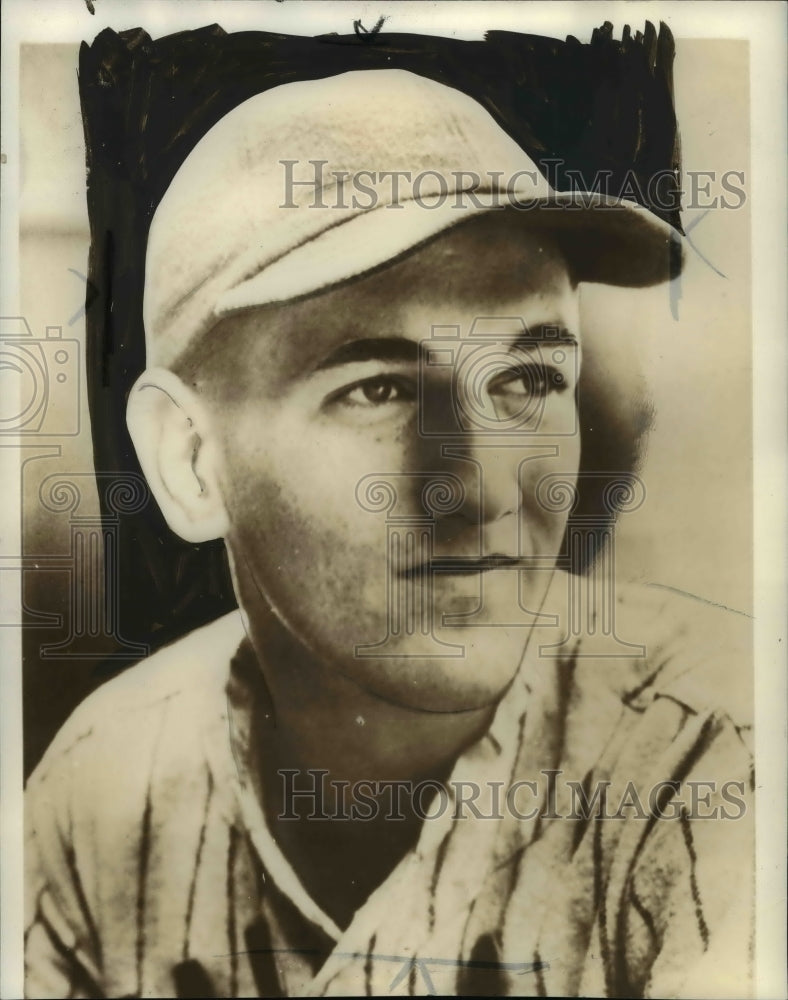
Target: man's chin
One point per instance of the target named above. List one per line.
(466, 670)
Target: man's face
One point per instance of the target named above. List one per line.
(383, 448)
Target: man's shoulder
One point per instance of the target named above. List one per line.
(135, 764)
(699, 653)
(182, 685)
(670, 644)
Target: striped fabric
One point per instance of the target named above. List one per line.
(152, 871)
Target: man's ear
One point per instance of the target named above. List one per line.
(179, 454)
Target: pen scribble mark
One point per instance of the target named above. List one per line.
(702, 256)
(410, 962)
(368, 33)
(90, 295)
(696, 597)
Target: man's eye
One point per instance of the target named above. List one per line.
(376, 391)
(527, 380)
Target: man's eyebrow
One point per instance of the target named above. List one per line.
(401, 349)
(372, 349)
(546, 333)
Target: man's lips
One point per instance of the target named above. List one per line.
(464, 565)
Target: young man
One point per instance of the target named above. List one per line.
(400, 767)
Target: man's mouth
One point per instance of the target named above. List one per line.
(463, 565)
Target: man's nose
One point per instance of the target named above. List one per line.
(450, 444)
(486, 470)
(489, 473)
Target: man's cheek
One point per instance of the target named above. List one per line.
(330, 587)
(313, 533)
(548, 488)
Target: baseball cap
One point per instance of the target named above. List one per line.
(314, 183)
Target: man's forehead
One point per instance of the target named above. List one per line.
(505, 286)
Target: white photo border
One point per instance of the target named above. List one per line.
(763, 24)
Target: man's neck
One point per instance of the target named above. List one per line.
(310, 736)
(316, 718)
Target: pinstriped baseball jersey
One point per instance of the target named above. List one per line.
(153, 871)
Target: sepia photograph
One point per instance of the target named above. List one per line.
(393, 442)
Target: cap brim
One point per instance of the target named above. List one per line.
(603, 240)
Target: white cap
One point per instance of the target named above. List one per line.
(245, 224)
